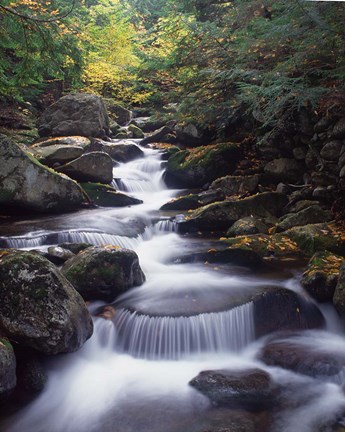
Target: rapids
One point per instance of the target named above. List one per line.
(133, 373)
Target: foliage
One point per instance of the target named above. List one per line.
(30, 51)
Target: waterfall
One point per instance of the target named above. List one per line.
(95, 238)
(171, 338)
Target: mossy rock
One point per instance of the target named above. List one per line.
(136, 131)
(278, 245)
(106, 196)
(221, 215)
(310, 215)
(321, 275)
(39, 308)
(8, 377)
(103, 273)
(200, 165)
(247, 226)
(319, 237)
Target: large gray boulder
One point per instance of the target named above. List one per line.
(93, 167)
(75, 114)
(310, 215)
(102, 273)
(7, 368)
(57, 154)
(25, 183)
(39, 308)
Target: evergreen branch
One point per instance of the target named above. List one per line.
(40, 20)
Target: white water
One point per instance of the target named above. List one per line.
(134, 375)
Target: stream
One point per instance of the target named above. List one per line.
(133, 374)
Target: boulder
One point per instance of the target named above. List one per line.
(74, 141)
(93, 167)
(8, 377)
(196, 167)
(246, 226)
(57, 154)
(237, 185)
(194, 201)
(123, 151)
(103, 273)
(117, 113)
(157, 136)
(39, 308)
(318, 237)
(58, 255)
(331, 150)
(285, 169)
(189, 134)
(135, 131)
(338, 131)
(20, 176)
(310, 215)
(266, 246)
(288, 352)
(75, 114)
(106, 196)
(245, 388)
(221, 215)
(321, 275)
(31, 374)
(280, 309)
(339, 294)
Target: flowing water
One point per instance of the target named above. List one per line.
(133, 374)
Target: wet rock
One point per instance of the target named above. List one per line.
(297, 206)
(8, 377)
(292, 354)
(73, 141)
(75, 248)
(157, 136)
(123, 152)
(106, 196)
(280, 309)
(58, 255)
(116, 112)
(194, 201)
(75, 114)
(39, 308)
(266, 246)
(221, 215)
(300, 153)
(338, 131)
(321, 275)
(31, 374)
(331, 150)
(311, 159)
(103, 273)
(235, 256)
(322, 194)
(339, 294)
(324, 179)
(318, 237)
(57, 154)
(248, 388)
(323, 124)
(309, 215)
(246, 226)
(284, 169)
(189, 134)
(20, 174)
(135, 131)
(237, 185)
(90, 167)
(196, 167)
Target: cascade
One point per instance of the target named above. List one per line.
(133, 373)
(171, 338)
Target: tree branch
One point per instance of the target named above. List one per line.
(33, 18)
